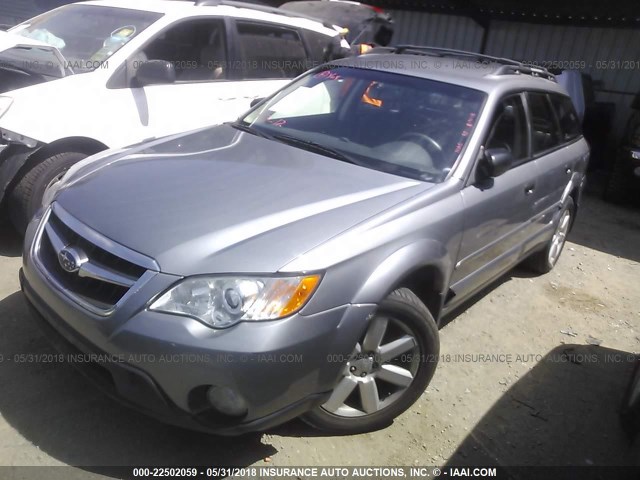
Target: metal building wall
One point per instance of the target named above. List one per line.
(436, 30)
(597, 48)
(611, 56)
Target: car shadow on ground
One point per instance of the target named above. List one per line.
(10, 241)
(54, 407)
(564, 412)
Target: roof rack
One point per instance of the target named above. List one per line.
(450, 52)
(526, 70)
(508, 66)
(260, 6)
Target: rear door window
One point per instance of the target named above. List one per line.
(570, 127)
(195, 48)
(545, 133)
(270, 51)
(321, 46)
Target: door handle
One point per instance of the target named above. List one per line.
(528, 190)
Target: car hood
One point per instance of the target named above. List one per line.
(218, 200)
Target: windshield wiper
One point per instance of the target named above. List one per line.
(315, 147)
(244, 127)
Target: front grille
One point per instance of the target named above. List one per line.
(103, 278)
(95, 253)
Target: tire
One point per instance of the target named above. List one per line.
(400, 316)
(26, 197)
(619, 187)
(543, 261)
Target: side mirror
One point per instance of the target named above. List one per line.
(496, 161)
(155, 72)
(256, 101)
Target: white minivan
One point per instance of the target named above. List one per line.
(107, 74)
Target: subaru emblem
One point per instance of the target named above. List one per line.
(71, 259)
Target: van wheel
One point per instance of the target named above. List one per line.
(389, 369)
(544, 260)
(26, 197)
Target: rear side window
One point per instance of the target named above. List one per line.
(509, 128)
(544, 134)
(320, 46)
(270, 51)
(567, 116)
(195, 48)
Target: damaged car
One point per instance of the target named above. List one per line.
(299, 260)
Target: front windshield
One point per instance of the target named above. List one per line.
(399, 124)
(87, 35)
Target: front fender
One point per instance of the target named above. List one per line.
(12, 160)
(403, 263)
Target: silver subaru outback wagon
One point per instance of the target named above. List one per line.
(297, 262)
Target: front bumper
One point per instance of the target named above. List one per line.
(161, 364)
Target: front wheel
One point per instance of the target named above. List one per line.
(26, 197)
(389, 369)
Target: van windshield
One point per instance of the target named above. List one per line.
(87, 35)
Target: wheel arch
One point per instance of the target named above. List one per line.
(427, 283)
(420, 267)
(85, 145)
(574, 191)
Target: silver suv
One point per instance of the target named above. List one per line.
(298, 261)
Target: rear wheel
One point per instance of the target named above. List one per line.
(390, 367)
(544, 260)
(26, 197)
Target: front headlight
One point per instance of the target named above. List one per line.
(223, 301)
(5, 103)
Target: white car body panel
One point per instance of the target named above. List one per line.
(81, 105)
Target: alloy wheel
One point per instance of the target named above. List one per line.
(379, 371)
(559, 237)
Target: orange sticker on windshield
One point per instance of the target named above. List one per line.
(368, 99)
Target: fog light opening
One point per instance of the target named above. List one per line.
(227, 401)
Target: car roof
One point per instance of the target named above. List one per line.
(467, 69)
(183, 8)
